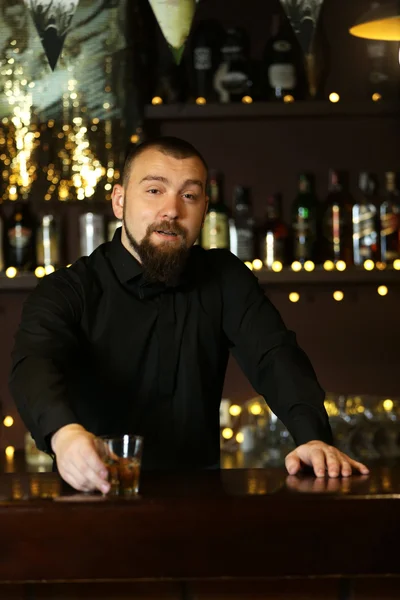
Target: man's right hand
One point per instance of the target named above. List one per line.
(77, 460)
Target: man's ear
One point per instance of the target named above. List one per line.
(205, 212)
(118, 198)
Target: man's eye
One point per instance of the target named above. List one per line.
(189, 196)
(153, 191)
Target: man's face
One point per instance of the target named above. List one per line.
(163, 210)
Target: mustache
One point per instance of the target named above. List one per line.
(170, 226)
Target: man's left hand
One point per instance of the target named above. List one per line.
(324, 459)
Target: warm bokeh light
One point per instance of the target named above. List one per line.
(309, 266)
(8, 421)
(257, 264)
(334, 97)
(338, 296)
(134, 138)
(381, 266)
(369, 265)
(11, 272)
(247, 100)
(235, 410)
(68, 266)
(288, 99)
(329, 265)
(341, 265)
(156, 100)
(227, 433)
(296, 266)
(40, 272)
(294, 297)
(383, 290)
(396, 264)
(388, 405)
(277, 266)
(240, 437)
(255, 409)
(376, 97)
(249, 265)
(200, 100)
(9, 451)
(49, 269)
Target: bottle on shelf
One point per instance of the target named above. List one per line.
(282, 64)
(91, 232)
(242, 235)
(304, 221)
(337, 220)
(274, 234)
(389, 216)
(20, 234)
(232, 80)
(48, 242)
(170, 80)
(365, 221)
(215, 233)
(1, 243)
(205, 59)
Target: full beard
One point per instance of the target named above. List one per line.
(163, 262)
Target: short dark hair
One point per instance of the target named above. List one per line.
(171, 146)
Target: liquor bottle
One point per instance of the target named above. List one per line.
(19, 233)
(91, 230)
(242, 235)
(232, 80)
(304, 221)
(365, 221)
(48, 242)
(274, 233)
(206, 58)
(379, 70)
(337, 220)
(1, 244)
(282, 67)
(389, 212)
(215, 232)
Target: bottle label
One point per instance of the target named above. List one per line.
(19, 236)
(282, 46)
(202, 59)
(273, 250)
(215, 231)
(390, 242)
(282, 76)
(303, 238)
(245, 244)
(235, 82)
(47, 247)
(365, 236)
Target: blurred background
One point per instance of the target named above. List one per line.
(299, 121)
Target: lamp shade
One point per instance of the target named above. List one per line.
(382, 22)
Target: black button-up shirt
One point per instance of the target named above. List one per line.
(100, 346)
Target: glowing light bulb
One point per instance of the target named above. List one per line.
(329, 265)
(134, 138)
(334, 97)
(338, 296)
(388, 404)
(9, 451)
(376, 97)
(8, 421)
(381, 266)
(309, 266)
(156, 100)
(11, 272)
(249, 265)
(296, 266)
(49, 269)
(288, 99)
(240, 437)
(257, 264)
(235, 410)
(200, 100)
(40, 272)
(277, 266)
(227, 433)
(383, 290)
(369, 265)
(255, 409)
(294, 297)
(341, 265)
(396, 264)
(247, 100)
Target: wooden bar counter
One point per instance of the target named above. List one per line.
(248, 533)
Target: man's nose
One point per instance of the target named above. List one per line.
(171, 208)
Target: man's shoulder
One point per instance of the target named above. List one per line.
(221, 262)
